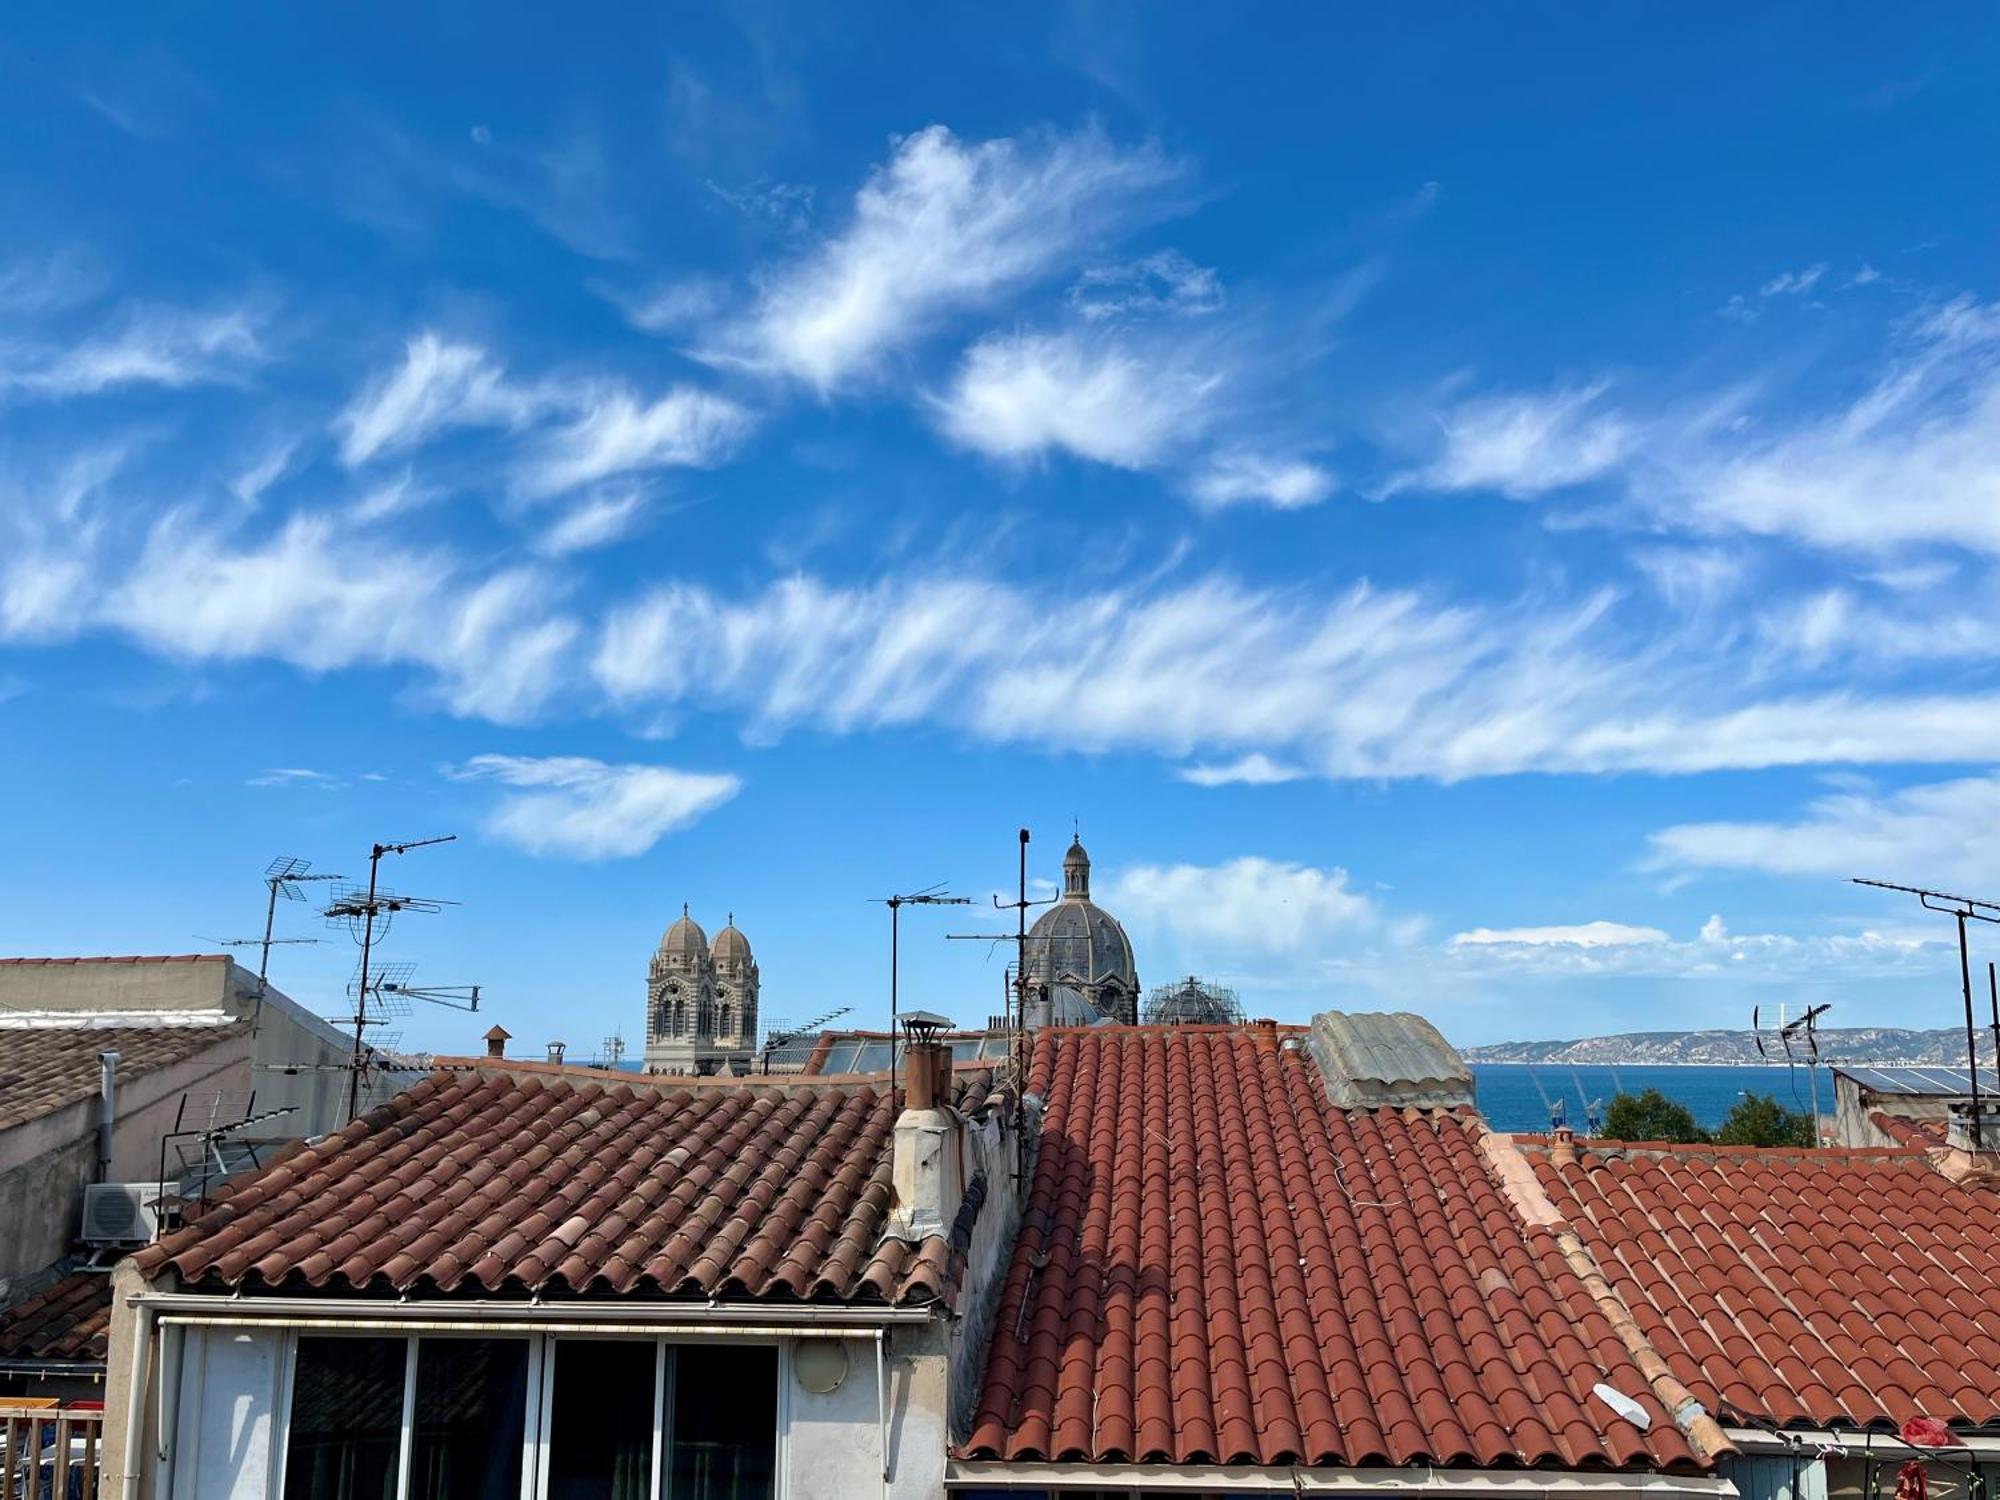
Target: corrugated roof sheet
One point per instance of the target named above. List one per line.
(1372, 1059)
(1217, 1265)
(493, 1182)
(44, 1070)
(1804, 1288)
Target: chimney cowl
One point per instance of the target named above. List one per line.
(496, 1041)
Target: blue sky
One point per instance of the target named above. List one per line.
(1488, 512)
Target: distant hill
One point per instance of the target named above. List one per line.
(1856, 1044)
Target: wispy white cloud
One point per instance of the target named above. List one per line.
(573, 807)
(1525, 445)
(1022, 395)
(1166, 282)
(1920, 835)
(945, 225)
(586, 430)
(597, 520)
(249, 483)
(1914, 459)
(617, 433)
(1240, 478)
(1793, 283)
(440, 384)
(297, 776)
(321, 597)
(1254, 769)
(151, 346)
(1369, 683)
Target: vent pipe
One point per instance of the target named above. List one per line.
(107, 1110)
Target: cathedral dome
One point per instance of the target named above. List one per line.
(1079, 945)
(730, 943)
(1078, 942)
(686, 938)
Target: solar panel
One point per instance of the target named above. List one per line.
(1927, 1082)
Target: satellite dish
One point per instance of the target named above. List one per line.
(1623, 1404)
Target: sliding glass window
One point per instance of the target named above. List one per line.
(346, 1430)
(471, 1411)
(456, 1418)
(603, 1412)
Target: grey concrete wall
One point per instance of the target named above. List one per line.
(203, 985)
(45, 1163)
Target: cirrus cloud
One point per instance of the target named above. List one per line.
(574, 807)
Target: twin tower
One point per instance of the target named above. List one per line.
(701, 1001)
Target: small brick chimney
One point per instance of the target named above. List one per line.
(496, 1041)
(1562, 1146)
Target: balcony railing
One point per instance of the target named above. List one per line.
(49, 1453)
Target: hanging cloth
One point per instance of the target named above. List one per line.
(1912, 1483)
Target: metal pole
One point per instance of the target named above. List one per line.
(361, 993)
(1971, 1044)
(1993, 987)
(1021, 942)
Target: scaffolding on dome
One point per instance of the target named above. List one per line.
(1191, 1002)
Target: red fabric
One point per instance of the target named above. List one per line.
(1926, 1432)
(1911, 1483)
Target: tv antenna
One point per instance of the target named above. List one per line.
(1803, 1027)
(787, 1034)
(283, 878)
(611, 1051)
(362, 912)
(1017, 1014)
(930, 895)
(1964, 909)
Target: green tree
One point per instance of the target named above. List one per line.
(1760, 1120)
(1651, 1116)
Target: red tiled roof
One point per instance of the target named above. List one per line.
(129, 958)
(1908, 1131)
(68, 1321)
(1799, 1287)
(44, 1069)
(1216, 1265)
(499, 1183)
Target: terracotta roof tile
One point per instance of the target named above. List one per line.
(1216, 1265)
(44, 1069)
(68, 1321)
(1798, 1287)
(498, 1182)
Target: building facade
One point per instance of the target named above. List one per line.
(701, 1001)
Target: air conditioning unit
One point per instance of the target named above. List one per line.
(123, 1213)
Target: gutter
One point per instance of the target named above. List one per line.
(793, 1320)
(1198, 1480)
(1855, 1440)
(1523, 1191)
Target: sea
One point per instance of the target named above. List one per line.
(1516, 1096)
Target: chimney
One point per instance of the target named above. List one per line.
(496, 1041)
(556, 1050)
(929, 1154)
(107, 1111)
(1562, 1146)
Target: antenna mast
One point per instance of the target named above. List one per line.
(929, 896)
(352, 908)
(1964, 909)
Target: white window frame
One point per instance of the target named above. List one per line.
(540, 1400)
